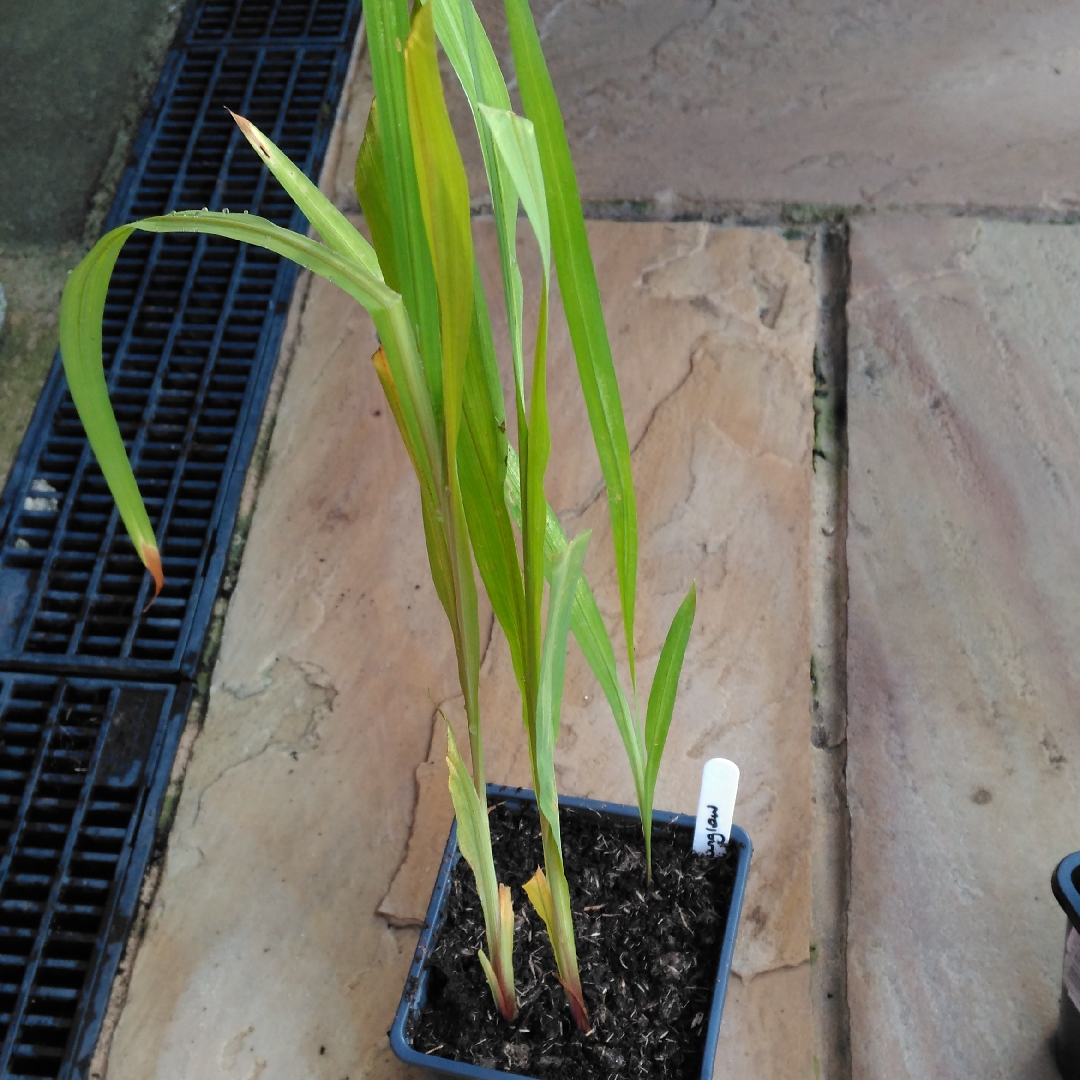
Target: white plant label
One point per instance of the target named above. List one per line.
(1071, 975)
(716, 806)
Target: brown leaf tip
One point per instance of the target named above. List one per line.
(248, 128)
(151, 558)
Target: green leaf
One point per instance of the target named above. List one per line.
(565, 572)
(387, 26)
(515, 143)
(534, 441)
(80, 347)
(375, 199)
(482, 452)
(468, 48)
(444, 200)
(80, 335)
(581, 302)
(442, 571)
(474, 842)
(515, 147)
(470, 53)
(590, 632)
(332, 225)
(662, 703)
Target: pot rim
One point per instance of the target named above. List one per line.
(414, 994)
(1065, 881)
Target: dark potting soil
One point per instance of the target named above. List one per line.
(647, 955)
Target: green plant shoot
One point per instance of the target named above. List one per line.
(476, 66)
(436, 362)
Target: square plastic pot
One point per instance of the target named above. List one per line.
(1065, 882)
(415, 993)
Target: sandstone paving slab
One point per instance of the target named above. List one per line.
(903, 103)
(964, 558)
(314, 808)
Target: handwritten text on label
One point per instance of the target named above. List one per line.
(716, 806)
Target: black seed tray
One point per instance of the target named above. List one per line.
(191, 335)
(84, 768)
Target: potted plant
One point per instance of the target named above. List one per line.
(484, 509)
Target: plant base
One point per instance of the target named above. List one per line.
(654, 959)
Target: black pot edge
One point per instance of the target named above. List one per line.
(412, 996)
(1064, 883)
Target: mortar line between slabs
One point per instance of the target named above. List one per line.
(789, 215)
(830, 831)
(806, 215)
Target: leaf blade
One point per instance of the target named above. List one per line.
(333, 226)
(482, 453)
(81, 342)
(469, 50)
(587, 626)
(374, 198)
(444, 202)
(565, 572)
(662, 704)
(474, 842)
(387, 25)
(581, 303)
(81, 311)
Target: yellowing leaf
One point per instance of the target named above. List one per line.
(444, 198)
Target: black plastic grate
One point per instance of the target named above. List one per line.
(93, 689)
(191, 333)
(84, 766)
(222, 20)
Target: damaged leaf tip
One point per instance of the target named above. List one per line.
(151, 558)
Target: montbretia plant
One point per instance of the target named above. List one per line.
(483, 501)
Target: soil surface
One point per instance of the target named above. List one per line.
(647, 955)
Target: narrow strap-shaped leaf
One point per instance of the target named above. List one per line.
(482, 452)
(563, 942)
(474, 841)
(439, 558)
(332, 225)
(515, 143)
(469, 50)
(387, 26)
(80, 348)
(535, 444)
(662, 703)
(444, 199)
(80, 334)
(565, 571)
(590, 632)
(551, 899)
(515, 146)
(438, 553)
(539, 893)
(444, 202)
(370, 179)
(506, 946)
(581, 302)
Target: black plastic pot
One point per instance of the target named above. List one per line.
(1066, 885)
(415, 993)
